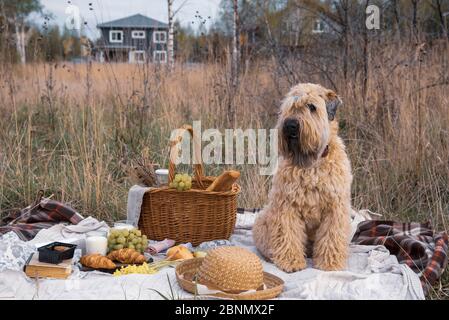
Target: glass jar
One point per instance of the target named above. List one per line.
(162, 176)
(97, 242)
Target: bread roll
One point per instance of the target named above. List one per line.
(225, 181)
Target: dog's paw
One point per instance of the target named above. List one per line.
(290, 265)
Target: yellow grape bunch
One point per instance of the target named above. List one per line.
(181, 182)
(124, 238)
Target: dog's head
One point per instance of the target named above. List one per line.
(304, 123)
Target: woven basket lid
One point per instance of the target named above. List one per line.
(231, 269)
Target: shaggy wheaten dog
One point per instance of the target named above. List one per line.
(310, 197)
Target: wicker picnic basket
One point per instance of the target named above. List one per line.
(195, 215)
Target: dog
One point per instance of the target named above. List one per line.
(310, 199)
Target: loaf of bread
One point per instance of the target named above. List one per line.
(225, 181)
(60, 248)
(97, 261)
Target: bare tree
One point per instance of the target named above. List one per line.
(170, 44)
(235, 44)
(235, 60)
(171, 32)
(338, 19)
(415, 32)
(437, 5)
(22, 37)
(15, 13)
(297, 28)
(366, 58)
(346, 30)
(397, 20)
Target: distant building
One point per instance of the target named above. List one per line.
(134, 39)
(301, 27)
(319, 26)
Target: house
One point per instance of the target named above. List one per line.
(134, 39)
(301, 27)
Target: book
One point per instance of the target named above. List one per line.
(36, 269)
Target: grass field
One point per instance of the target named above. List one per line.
(70, 129)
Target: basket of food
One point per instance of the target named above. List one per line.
(194, 210)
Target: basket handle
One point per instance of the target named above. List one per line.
(198, 170)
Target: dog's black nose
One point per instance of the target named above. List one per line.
(291, 127)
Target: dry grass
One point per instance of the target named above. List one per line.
(67, 129)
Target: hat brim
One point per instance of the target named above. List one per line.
(186, 271)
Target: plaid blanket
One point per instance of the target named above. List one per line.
(43, 214)
(414, 244)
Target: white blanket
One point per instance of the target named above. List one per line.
(372, 274)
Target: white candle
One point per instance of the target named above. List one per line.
(96, 244)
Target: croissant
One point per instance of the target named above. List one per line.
(127, 255)
(97, 261)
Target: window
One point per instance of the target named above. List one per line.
(138, 34)
(139, 56)
(159, 37)
(160, 56)
(115, 36)
(318, 26)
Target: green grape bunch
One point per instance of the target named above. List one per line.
(182, 182)
(124, 238)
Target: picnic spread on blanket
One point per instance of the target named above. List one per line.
(388, 260)
(185, 238)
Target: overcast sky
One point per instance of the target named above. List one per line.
(106, 10)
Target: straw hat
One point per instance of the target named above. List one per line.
(229, 272)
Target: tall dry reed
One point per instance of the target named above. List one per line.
(68, 129)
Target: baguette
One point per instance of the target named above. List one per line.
(225, 181)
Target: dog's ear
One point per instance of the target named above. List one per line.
(332, 103)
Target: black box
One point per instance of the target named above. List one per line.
(49, 255)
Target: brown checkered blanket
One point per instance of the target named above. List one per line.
(43, 214)
(414, 244)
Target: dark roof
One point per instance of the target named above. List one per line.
(135, 21)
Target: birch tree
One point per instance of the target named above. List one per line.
(171, 32)
(15, 13)
(170, 44)
(235, 44)
(235, 62)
